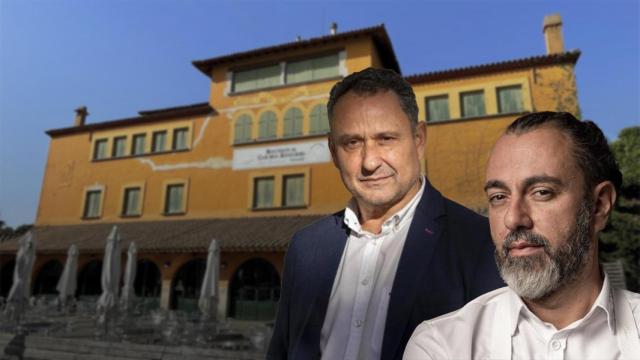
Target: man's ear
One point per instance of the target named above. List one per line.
(420, 138)
(604, 195)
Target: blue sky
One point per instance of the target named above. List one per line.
(118, 57)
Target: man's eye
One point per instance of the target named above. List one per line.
(352, 143)
(496, 199)
(543, 193)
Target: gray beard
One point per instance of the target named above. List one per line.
(538, 276)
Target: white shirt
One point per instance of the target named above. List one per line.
(498, 325)
(357, 311)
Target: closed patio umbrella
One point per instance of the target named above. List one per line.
(127, 295)
(20, 289)
(209, 291)
(110, 279)
(68, 280)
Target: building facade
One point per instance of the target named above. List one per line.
(251, 165)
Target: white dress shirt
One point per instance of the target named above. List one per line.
(357, 311)
(498, 325)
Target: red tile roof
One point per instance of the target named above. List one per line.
(570, 57)
(378, 33)
(146, 116)
(234, 234)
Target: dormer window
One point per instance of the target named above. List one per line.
(287, 72)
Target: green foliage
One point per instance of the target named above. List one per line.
(627, 152)
(621, 238)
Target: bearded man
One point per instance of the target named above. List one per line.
(551, 186)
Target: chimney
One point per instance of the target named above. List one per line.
(552, 30)
(334, 28)
(81, 116)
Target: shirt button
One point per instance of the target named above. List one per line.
(555, 345)
(358, 323)
(365, 282)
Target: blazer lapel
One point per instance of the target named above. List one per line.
(419, 246)
(328, 251)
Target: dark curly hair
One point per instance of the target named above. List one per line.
(369, 82)
(590, 147)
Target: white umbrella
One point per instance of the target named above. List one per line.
(68, 280)
(127, 295)
(20, 289)
(110, 278)
(209, 291)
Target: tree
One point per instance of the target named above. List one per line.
(621, 238)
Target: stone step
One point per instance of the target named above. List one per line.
(52, 348)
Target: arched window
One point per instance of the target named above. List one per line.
(254, 291)
(47, 278)
(267, 126)
(243, 127)
(185, 288)
(293, 122)
(6, 277)
(319, 120)
(89, 283)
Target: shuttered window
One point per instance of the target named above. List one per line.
(312, 69)
(293, 191)
(259, 78)
(119, 146)
(472, 104)
(100, 149)
(243, 129)
(293, 122)
(180, 138)
(319, 120)
(263, 192)
(174, 199)
(437, 108)
(92, 204)
(131, 205)
(137, 146)
(159, 140)
(267, 126)
(510, 99)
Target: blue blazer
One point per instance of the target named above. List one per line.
(447, 261)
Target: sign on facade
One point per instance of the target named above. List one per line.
(309, 152)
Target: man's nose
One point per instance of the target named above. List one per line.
(371, 157)
(517, 216)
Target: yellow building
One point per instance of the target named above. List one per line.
(251, 165)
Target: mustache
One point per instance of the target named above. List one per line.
(528, 237)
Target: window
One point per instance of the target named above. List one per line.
(293, 122)
(312, 69)
(158, 141)
(263, 192)
(319, 120)
(472, 104)
(137, 146)
(131, 204)
(119, 144)
(267, 126)
(437, 108)
(100, 149)
(174, 199)
(243, 129)
(293, 190)
(92, 204)
(180, 139)
(510, 99)
(257, 78)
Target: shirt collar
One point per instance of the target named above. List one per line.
(398, 219)
(604, 301)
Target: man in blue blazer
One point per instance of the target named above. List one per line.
(357, 283)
